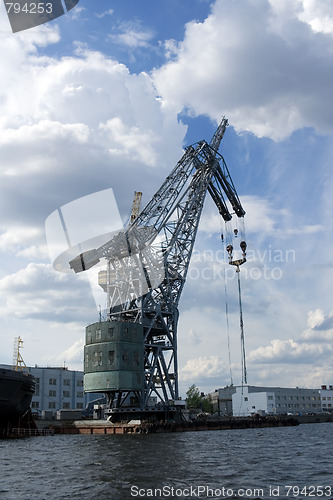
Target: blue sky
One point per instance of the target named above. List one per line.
(107, 96)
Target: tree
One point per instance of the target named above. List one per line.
(195, 399)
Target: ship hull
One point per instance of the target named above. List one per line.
(16, 391)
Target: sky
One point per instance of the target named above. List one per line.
(106, 97)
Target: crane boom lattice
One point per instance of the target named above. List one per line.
(132, 357)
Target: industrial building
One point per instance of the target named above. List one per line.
(58, 388)
(246, 400)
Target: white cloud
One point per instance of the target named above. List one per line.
(318, 14)
(11, 239)
(286, 351)
(73, 354)
(131, 141)
(132, 35)
(202, 367)
(315, 318)
(258, 64)
(38, 292)
(73, 126)
(108, 12)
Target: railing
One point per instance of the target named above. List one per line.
(18, 431)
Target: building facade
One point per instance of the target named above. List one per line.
(221, 400)
(326, 397)
(58, 388)
(248, 400)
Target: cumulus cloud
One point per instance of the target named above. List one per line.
(261, 65)
(132, 35)
(73, 126)
(315, 318)
(261, 217)
(38, 292)
(288, 351)
(202, 367)
(12, 239)
(73, 354)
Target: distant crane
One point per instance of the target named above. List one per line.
(18, 361)
(132, 357)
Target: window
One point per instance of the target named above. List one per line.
(97, 359)
(66, 394)
(66, 406)
(136, 361)
(52, 406)
(246, 399)
(67, 382)
(35, 404)
(52, 381)
(253, 407)
(111, 358)
(37, 380)
(98, 334)
(79, 394)
(79, 406)
(270, 398)
(79, 383)
(111, 330)
(52, 393)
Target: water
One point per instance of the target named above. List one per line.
(186, 465)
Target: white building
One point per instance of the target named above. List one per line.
(326, 397)
(248, 400)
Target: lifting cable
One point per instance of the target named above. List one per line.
(238, 263)
(227, 311)
(243, 357)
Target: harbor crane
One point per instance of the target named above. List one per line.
(132, 355)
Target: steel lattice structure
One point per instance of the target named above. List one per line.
(145, 279)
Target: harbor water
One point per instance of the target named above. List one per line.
(288, 462)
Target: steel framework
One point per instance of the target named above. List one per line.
(147, 264)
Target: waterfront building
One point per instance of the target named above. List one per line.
(58, 388)
(221, 400)
(247, 400)
(326, 398)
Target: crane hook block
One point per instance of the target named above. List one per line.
(243, 246)
(229, 248)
